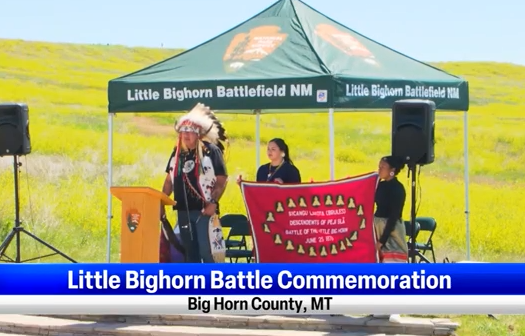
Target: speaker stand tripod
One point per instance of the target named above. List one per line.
(413, 252)
(18, 230)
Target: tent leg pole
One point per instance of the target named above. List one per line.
(110, 182)
(257, 140)
(466, 179)
(332, 142)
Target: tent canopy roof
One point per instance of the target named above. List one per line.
(288, 56)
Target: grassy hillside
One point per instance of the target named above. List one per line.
(63, 182)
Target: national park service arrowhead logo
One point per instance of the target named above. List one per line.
(133, 219)
(252, 46)
(326, 243)
(345, 42)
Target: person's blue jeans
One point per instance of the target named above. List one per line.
(196, 243)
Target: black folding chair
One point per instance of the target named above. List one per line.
(427, 224)
(408, 228)
(230, 221)
(239, 228)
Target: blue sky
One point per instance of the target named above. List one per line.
(444, 30)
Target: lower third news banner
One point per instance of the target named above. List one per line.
(262, 289)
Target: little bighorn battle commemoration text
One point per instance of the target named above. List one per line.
(217, 280)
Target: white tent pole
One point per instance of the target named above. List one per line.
(466, 179)
(110, 182)
(257, 140)
(332, 142)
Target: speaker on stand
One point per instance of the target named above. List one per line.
(413, 125)
(15, 141)
(14, 130)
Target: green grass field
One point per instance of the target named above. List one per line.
(63, 181)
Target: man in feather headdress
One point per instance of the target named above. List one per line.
(196, 174)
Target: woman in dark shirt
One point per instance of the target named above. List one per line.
(390, 199)
(280, 169)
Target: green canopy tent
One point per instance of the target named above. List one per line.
(289, 58)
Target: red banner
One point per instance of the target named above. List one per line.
(320, 222)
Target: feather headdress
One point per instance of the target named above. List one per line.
(202, 120)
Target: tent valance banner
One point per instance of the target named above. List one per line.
(322, 222)
(288, 57)
(376, 94)
(295, 93)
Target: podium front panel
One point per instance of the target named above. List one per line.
(140, 229)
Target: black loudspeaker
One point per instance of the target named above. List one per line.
(413, 123)
(14, 129)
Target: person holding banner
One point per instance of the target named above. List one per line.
(390, 231)
(390, 199)
(280, 169)
(196, 174)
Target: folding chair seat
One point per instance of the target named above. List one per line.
(239, 254)
(428, 224)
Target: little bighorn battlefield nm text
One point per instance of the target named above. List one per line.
(220, 91)
(293, 90)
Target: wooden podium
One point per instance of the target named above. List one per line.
(140, 231)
